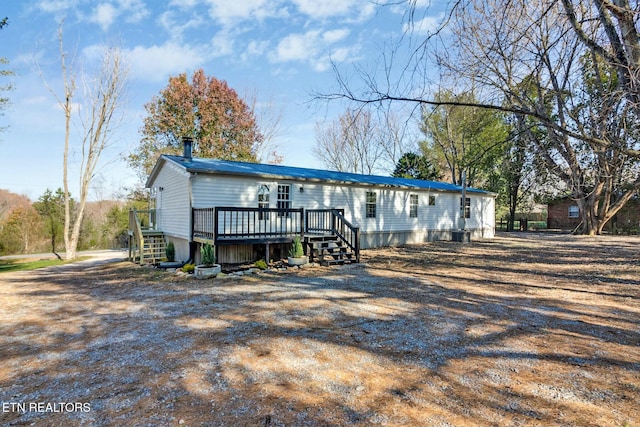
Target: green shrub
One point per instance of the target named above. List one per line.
(171, 252)
(296, 250)
(207, 254)
(189, 268)
(261, 264)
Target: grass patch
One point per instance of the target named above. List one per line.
(25, 264)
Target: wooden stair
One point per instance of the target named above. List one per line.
(328, 250)
(153, 247)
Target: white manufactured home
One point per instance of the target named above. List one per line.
(249, 211)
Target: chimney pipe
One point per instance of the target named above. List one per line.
(187, 141)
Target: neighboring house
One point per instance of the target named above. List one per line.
(564, 214)
(245, 208)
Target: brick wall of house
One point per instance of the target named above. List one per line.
(558, 215)
(626, 220)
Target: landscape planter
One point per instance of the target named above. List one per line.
(297, 261)
(203, 272)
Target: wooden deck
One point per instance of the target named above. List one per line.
(247, 226)
(326, 234)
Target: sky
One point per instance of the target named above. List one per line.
(279, 51)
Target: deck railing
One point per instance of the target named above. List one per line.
(321, 221)
(139, 221)
(232, 224)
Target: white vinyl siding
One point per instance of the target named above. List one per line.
(391, 204)
(172, 202)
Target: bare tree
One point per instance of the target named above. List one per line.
(348, 143)
(395, 137)
(537, 64)
(269, 119)
(103, 96)
(357, 142)
(4, 101)
(569, 66)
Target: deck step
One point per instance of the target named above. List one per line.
(328, 250)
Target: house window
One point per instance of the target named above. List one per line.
(370, 205)
(432, 200)
(263, 201)
(574, 212)
(284, 199)
(467, 207)
(413, 206)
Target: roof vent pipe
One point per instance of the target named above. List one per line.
(187, 141)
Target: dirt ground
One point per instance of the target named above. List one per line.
(520, 330)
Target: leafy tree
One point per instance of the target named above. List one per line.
(21, 231)
(206, 109)
(412, 165)
(50, 206)
(464, 138)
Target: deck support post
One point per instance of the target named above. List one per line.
(266, 253)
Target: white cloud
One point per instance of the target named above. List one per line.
(297, 47)
(314, 47)
(175, 24)
(104, 15)
(222, 43)
(425, 26)
(325, 8)
(333, 36)
(157, 63)
(228, 12)
(255, 49)
(55, 6)
(351, 10)
(134, 10)
(183, 4)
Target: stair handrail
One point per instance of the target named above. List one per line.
(354, 241)
(134, 222)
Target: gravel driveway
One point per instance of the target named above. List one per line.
(515, 331)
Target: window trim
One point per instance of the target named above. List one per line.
(371, 204)
(467, 207)
(282, 202)
(573, 212)
(414, 202)
(265, 192)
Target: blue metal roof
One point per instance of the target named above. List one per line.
(226, 167)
